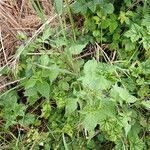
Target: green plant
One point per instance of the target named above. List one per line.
(69, 102)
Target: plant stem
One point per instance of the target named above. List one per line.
(71, 20)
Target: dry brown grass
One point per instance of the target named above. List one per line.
(17, 15)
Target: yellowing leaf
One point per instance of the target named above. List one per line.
(122, 17)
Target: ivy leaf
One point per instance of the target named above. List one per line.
(134, 33)
(44, 89)
(77, 49)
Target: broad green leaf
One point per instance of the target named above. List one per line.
(32, 91)
(59, 6)
(76, 49)
(134, 33)
(80, 6)
(128, 45)
(44, 60)
(136, 143)
(92, 78)
(64, 86)
(113, 25)
(146, 42)
(30, 83)
(146, 104)
(44, 89)
(106, 23)
(91, 6)
(27, 120)
(117, 92)
(71, 105)
(19, 110)
(90, 121)
(127, 128)
(148, 28)
(108, 8)
(54, 73)
(96, 33)
(97, 19)
(146, 20)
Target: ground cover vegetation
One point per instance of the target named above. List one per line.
(84, 84)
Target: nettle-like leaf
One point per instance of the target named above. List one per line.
(145, 67)
(146, 42)
(90, 121)
(71, 105)
(128, 45)
(146, 20)
(77, 48)
(80, 7)
(92, 78)
(118, 92)
(44, 60)
(11, 109)
(113, 25)
(148, 28)
(30, 83)
(134, 33)
(44, 89)
(27, 120)
(107, 8)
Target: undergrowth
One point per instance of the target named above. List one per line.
(85, 85)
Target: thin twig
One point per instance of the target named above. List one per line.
(7, 84)
(104, 53)
(5, 57)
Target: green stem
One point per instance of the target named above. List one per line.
(71, 20)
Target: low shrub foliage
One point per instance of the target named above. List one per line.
(66, 101)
